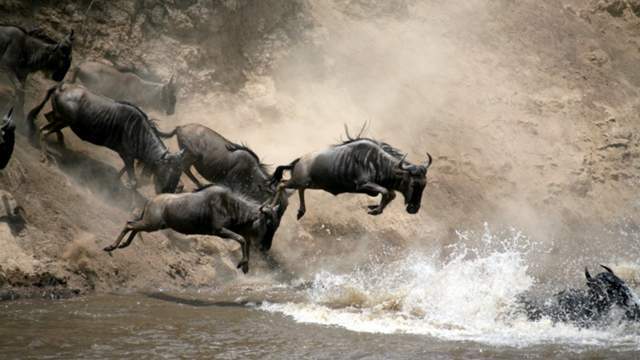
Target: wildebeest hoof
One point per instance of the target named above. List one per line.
(300, 214)
(377, 210)
(244, 265)
(109, 249)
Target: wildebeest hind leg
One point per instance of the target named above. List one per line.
(44, 132)
(244, 243)
(115, 245)
(129, 239)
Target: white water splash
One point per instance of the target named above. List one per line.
(469, 297)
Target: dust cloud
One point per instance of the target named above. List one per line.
(489, 89)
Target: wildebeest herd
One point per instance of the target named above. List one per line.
(243, 201)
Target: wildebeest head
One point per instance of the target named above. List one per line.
(169, 99)
(608, 289)
(412, 183)
(6, 125)
(167, 172)
(267, 224)
(60, 58)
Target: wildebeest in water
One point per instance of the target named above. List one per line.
(120, 126)
(7, 139)
(24, 52)
(212, 210)
(106, 80)
(358, 165)
(224, 162)
(588, 307)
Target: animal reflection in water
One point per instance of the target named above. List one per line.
(358, 165)
(213, 210)
(588, 307)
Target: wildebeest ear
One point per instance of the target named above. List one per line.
(607, 268)
(586, 274)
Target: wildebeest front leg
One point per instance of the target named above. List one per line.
(192, 177)
(244, 243)
(372, 188)
(303, 208)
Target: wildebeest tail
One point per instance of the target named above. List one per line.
(166, 135)
(36, 110)
(277, 174)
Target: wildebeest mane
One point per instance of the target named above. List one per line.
(150, 124)
(37, 33)
(383, 145)
(232, 147)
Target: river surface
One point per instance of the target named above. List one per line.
(409, 309)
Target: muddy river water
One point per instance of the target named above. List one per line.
(406, 310)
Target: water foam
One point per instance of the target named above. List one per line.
(470, 296)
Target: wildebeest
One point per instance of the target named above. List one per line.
(7, 139)
(587, 307)
(212, 210)
(24, 52)
(225, 163)
(358, 165)
(106, 80)
(120, 126)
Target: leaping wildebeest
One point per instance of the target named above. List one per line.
(120, 126)
(24, 52)
(212, 210)
(7, 139)
(358, 165)
(224, 162)
(104, 79)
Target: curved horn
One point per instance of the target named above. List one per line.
(8, 115)
(346, 130)
(586, 274)
(401, 163)
(429, 161)
(607, 268)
